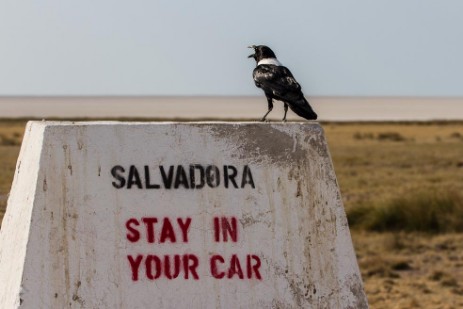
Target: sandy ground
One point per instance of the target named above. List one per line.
(251, 108)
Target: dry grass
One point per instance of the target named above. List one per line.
(411, 270)
(420, 211)
(371, 169)
(379, 165)
(11, 133)
(392, 170)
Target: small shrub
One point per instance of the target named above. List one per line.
(357, 215)
(437, 275)
(9, 141)
(390, 136)
(401, 266)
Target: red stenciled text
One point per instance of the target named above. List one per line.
(161, 231)
(167, 266)
(225, 227)
(158, 230)
(234, 268)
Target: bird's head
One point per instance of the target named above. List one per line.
(261, 52)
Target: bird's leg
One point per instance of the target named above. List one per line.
(270, 107)
(286, 110)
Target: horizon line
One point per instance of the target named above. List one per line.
(32, 96)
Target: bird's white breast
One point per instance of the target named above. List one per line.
(273, 61)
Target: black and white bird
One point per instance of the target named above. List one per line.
(278, 83)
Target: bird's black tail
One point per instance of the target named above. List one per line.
(303, 109)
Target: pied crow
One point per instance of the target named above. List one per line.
(278, 83)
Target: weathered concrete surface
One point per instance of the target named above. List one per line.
(69, 232)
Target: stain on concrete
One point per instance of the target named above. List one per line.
(356, 287)
(75, 296)
(250, 219)
(265, 143)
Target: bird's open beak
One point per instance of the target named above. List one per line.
(253, 47)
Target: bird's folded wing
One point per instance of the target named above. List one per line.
(278, 80)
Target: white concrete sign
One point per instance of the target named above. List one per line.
(176, 215)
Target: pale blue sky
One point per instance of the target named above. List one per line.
(344, 47)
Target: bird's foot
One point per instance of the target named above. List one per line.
(264, 120)
(284, 120)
